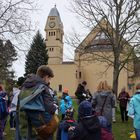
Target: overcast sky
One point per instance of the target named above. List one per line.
(68, 18)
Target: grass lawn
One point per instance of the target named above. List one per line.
(120, 130)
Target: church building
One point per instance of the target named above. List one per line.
(68, 74)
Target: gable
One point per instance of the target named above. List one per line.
(99, 43)
(97, 37)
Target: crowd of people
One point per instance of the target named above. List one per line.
(34, 110)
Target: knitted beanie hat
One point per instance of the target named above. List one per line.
(85, 109)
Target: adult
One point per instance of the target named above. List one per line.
(123, 100)
(13, 107)
(40, 111)
(134, 111)
(103, 101)
(81, 91)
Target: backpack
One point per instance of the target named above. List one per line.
(3, 106)
(23, 106)
(106, 135)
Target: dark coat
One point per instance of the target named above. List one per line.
(45, 99)
(33, 82)
(62, 131)
(80, 91)
(123, 98)
(87, 129)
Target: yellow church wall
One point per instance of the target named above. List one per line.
(55, 51)
(54, 60)
(65, 75)
(93, 74)
(136, 80)
(57, 43)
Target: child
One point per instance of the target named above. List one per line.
(62, 132)
(65, 103)
(88, 127)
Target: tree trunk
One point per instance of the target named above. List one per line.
(115, 79)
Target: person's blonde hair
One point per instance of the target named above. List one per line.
(103, 85)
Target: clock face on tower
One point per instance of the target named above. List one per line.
(52, 24)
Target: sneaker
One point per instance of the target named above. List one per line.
(4, 133)
(13, 129)
(114, 121)
(131, 132)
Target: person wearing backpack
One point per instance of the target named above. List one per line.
(88, 127)
(37, 107)
(3, 111)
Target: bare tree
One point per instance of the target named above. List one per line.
(16, 24)
(15, 19)
(119, 21)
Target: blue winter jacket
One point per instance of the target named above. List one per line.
(62, 106)
(134, 109)
(65, 104)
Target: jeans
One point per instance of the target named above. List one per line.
(12, 120)
(137, 131)
(63, 116)
(124, 112)
(109, 127)
(113, 114)
(1, 128)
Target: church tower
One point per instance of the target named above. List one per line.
(54, 37)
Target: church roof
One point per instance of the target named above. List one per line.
(97, 39)
(54, 13)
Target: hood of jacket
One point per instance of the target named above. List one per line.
(137, 95)
(91, 123)
(105, 93)
(32, 81)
